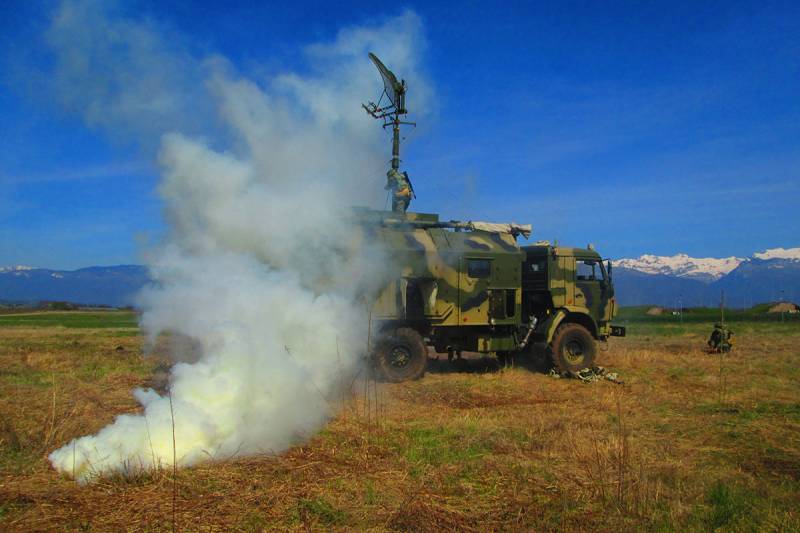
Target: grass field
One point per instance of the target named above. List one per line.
(690, 442)
(71, 319)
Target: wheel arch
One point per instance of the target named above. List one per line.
(565, 316)
(385, 327)
(584, 320)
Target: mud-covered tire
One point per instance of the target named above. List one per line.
(401, 355)
(573, 348)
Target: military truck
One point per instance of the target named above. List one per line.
(469, 286)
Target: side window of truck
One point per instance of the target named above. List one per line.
(479, 268)
(587, 270)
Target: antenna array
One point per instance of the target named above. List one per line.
(395, 91)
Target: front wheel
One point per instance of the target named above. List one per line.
(573, 348)
(401, 355)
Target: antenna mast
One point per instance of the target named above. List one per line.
(395, 91)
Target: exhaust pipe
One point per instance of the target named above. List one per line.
(521, 346)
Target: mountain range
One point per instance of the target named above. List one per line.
(677, 280)
(670, 281)
(113, 285)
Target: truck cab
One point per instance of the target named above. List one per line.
(568, 298)
(574, 280)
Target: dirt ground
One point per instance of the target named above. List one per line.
(690, 442)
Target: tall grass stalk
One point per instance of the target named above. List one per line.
(174, 467)
(51, 426)
(721, 382)
(621, 456)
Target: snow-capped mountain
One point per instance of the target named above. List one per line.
(766, 276)
(707, 269)
(703, 269)
(791, 254)
(16, 268)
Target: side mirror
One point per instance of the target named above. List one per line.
(608, 267)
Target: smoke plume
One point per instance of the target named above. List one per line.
(261, 267)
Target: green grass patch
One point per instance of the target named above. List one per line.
(93, 370)
(97, 369)
(72, 319)
(771, 409)
(700, 321)
(252, 521)
(435, 446)
(27, 377)
(726, 505)
(677, 372)
(116, 333)
(318, 510)
(753, 412)
(17, 461)
(370, 494)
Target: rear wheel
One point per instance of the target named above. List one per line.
(401, 355)
(573, 348)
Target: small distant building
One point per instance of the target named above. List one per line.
(655, 311)
(784, 307)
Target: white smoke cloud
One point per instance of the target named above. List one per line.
(261, 267)
(122, 74)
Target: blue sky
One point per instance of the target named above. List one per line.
(661, 128)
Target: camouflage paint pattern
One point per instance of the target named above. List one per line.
(467, 289)
(574, 298)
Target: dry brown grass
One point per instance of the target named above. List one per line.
(486, 449)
